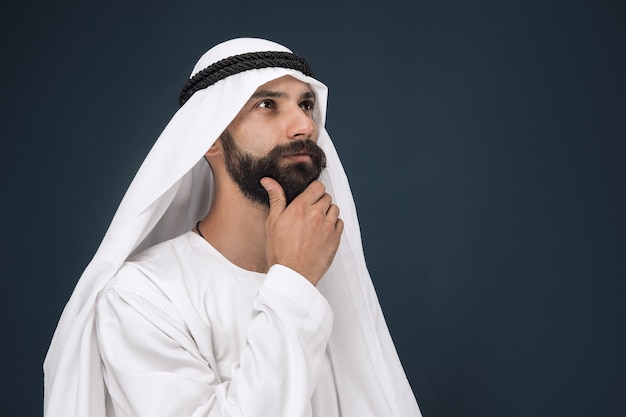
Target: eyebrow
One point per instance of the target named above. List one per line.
(280, 94)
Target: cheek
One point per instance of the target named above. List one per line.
(255, 143)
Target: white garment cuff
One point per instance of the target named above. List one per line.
(292, 286)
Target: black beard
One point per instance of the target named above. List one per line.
(247, 170)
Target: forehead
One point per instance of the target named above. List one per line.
(285, 84)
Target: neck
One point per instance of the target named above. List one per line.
(235, 226)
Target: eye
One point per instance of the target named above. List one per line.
(266, 104)
(307, 105)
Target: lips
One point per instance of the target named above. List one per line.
(298, 157)
(301, 153)
(297, 151)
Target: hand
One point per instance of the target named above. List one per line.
(304, 235)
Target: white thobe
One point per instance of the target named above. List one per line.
(184, 332)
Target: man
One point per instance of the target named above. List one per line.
(232, 288)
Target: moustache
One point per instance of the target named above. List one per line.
(297, 147)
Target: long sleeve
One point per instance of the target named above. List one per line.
(152, 368)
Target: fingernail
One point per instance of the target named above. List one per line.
(265, 185)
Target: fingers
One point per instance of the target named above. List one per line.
(333, 212)
(339, 226)
(316, 196)
(313, 193)
(275, 194)
(332, 216)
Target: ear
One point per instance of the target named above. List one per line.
(215, 149)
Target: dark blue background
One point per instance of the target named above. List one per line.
(484, 141)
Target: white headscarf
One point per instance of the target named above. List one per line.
(171, 191)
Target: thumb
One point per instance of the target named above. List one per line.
(275, 194)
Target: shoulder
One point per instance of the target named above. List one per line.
(180, 272)
(146, 279)
(161, 252)
(163, 261)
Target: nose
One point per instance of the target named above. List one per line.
(301, 125)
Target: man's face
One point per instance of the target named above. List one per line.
(274, 135)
